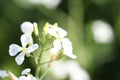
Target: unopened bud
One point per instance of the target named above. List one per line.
(46, 27)
(55, 24)
(36, 31)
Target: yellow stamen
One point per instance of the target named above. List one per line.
(24, 49)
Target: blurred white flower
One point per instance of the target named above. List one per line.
(102, 32)
(26, 75)
(61, 42)
(69, 69)
(3, 73)
(14, 49)
(27, 27)
(50, 4)
(76, 72)
(26, 71)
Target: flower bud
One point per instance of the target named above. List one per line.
(36, 31)
(46, 27)
(27, 27)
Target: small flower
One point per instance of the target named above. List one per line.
(3, 73)
(14, 49)
(26, 71)
(26, 75)
(27, 27)
(61, 42)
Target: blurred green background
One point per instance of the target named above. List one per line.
(100, 57)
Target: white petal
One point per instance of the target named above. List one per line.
(67, 47)
(3, 73)
(53, 31)
(25, 39)
(23, 78)
(62, 33)
(56, 46)
(20, 58)
(32, 48)
(27, 27)
(14, 49)
(31, 77)
(26, 71)
(71, 55)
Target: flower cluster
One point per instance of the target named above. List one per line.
(61, 45)
(14, 49)
(60, 42)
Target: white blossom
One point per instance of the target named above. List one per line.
(61, 42)
(3, 73)
(71, 69)
(51, 4)
(14, 49)
(26, 71)
(26, 75)
(102, 32)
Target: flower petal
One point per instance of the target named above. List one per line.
(14, 49)
(27, 27)
(3, 73)
(67, 47)
(62, 33)
(23, 78)
(26, 71)
(56, 46)
(31, 77)
(20, 58)
(28, 77)
(25, 39)
(32, 48)
(53, 31)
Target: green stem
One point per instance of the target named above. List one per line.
(46, 62)
(38, 65)
(44, 74)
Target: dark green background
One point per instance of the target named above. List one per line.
(102, 61)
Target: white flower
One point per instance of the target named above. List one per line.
(26, 75)
(26, 71)
(3, 73)
(51, 4)
(71, 69)
(14, 49)
(61, 42)
(102, 32)
(27, 27)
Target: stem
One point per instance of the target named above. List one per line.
(38, 65)
(46, 62)
(41, 78)
(39, 58)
